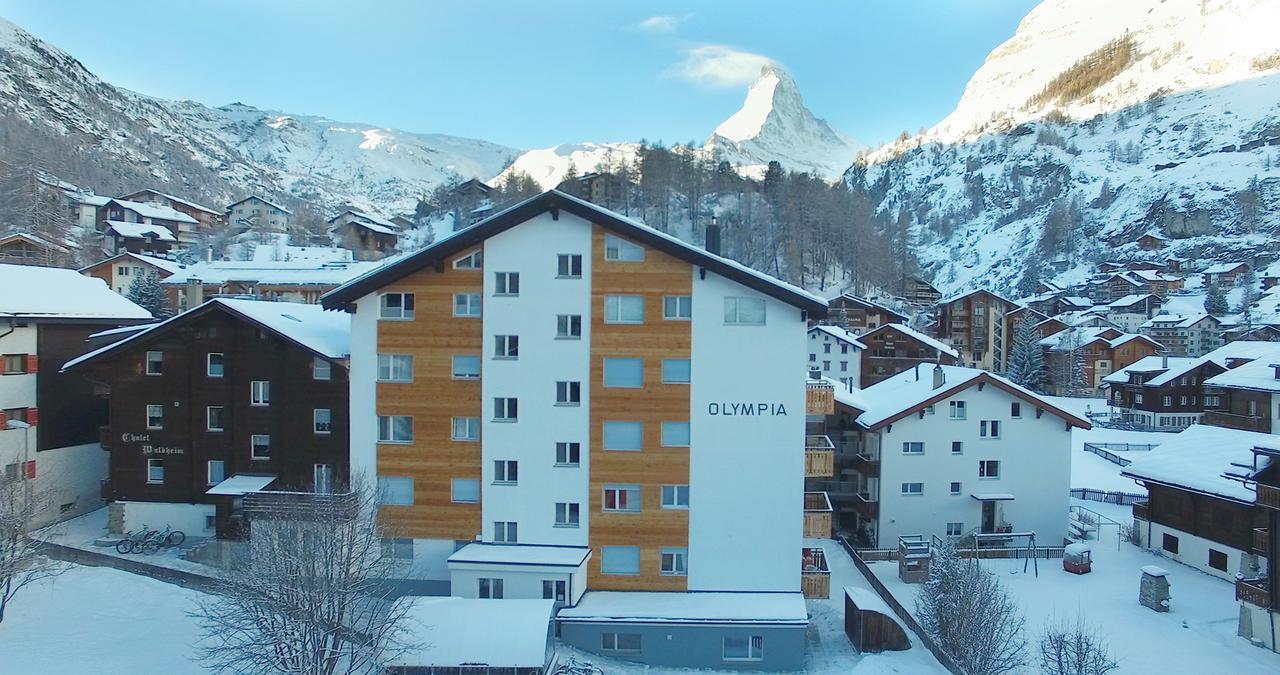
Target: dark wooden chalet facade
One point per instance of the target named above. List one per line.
(860, 315)
(894, 348)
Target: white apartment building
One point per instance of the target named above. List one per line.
(837, 353)
(257, 213)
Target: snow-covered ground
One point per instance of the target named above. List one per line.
(1198, 635)
(81, 532)
(1089, 470)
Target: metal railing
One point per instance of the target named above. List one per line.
(1104, 450)
(1107, 497)
(300, 505)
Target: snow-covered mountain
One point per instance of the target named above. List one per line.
(219, 153)
(549, 166)
(1097, 122)
(774, 124)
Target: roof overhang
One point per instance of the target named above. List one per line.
(241, 484)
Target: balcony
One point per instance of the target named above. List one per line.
(1268, 496)
(867, 464)
(299, 505)
(815, 575)
(817, 515)
(867, 505)
(1261, 539)
(1233, 421)
(1254, 591)
(820, 399)
(1140, 511)
(819, 457)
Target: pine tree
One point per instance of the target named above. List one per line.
(1215, 301)
(1026, 361)
(1248, 296)
(146, 292)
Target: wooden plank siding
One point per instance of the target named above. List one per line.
(653, 527)
(433, 459)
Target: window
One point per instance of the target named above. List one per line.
(912, 448)
(624, 309)
(555, 589)
(155, 363)
(622, 498)
(743, 647)
(259, 392)
(620, 560)
(675, 371)
(506, 283)
(506, 346)
(826, 365)
(957, 410)
(490, 589)
(214, 418)
(1015, 409)
(955, 487)
(624, 373)
(260, 446)
(826, 349)
(155, 416)
(957, 447)
(744, 311)
(466, 367)
(397, 549)
(1217, 560)
(913, 489)
(469, 262)
(1169, 543)
(216, 471)
(567, 514)
(321, 369)
(619, 249)
(505, 410)
(396, 306)
(989, 468)
(155, 471)
(620, 642)
(321, 421)
(955, 529)
(395, 429)
(1137, 398)
(675, 434)
(989, 428)
(568, 393)
(504, 532)
(215, 366)
(1211, 400)
(623, 435)
(568, 453)
(122, 270)
(569, 266)
(673, 562)
(1166, 401)
(466, 304)
(465, 490)
(505, 471)
(677, 307)
(466, 429)
(322, 478)
(16, 364)
(675, 496)
(568, 326)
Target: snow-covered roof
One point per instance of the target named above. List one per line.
(915, 335)
(1170, 369)
(840, 334)
(912, 389)
(1207, 459)
(36, 239)
(323, 332)
(169, 266)
(965, 294)
(1176, 320)
(1245, 349)
(88, 199)
(1077, 301)
(49, 292)
(1129, 300)
(868, 601)
(367, 219)
(849, 297)
(154, 210)
(691, 607)
(472, 633)
(1222, 268)
(180, 200)
(261, 199)
(270, 253)
(240, 484)
(1153, 275)
(1258, 375)
(845, 394)
(140, 230)
(275, 272)
(517, 554)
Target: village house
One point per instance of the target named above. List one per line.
(1246, 395)
(920, 293)
(257, 214)
(836, 353)
(154, 240)
(1101, 350)
(213, 409)
(1160, 393)
(1225, 274)
(84, 207)
(124, 212)
(608, 353)
(894, 348)
(1259, 593)
(860, 315)
(49, 422)
(25, 248)
(1192, 335)
(1152, 242)
(973, 323)
(369, 236)
(298, 279)
(121, 270)
(1131, 311)
(208, 220)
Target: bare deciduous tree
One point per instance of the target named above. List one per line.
(22, 562)
(1074, 649)
(309, 595)
(970, 615)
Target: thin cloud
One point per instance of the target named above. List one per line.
(662, 23)
(719, 66)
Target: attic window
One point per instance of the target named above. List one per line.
(469, 262)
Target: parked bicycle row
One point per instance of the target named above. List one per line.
(149, 541)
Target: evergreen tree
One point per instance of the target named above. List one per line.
(1248, 296)
(1026, 361)
(146, 292)
(1215, 301)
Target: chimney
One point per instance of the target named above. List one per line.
(195, 293)
(208, 256)
(713, 236)
(1164, 360)
(939, 377)
(815, 374)
(917, 369)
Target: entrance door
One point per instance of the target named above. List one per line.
(988, 517)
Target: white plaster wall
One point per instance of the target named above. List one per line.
(1035, 466)
(190, 518)
(531, 250)
(1192, 550)
(363, 380)
(746, 500)
(17, 391)
(853, 357)
(518, 582)
(430, 560)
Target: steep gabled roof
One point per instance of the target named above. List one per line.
(554, 201)
(153, 210)
(55, 293)
(264, 200)
(915, 335)
(1206, 459)
(180, 200)
(140, 230)
(168, 266)
(846, 336)
(868, 304)
(961, 296)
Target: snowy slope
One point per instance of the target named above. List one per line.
(548, 166)
(1181, 125)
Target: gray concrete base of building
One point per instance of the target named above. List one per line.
(720, 646)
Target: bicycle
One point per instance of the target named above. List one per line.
(138, 541)
(170, 537)
(572, 666)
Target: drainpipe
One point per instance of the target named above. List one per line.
(12, 327)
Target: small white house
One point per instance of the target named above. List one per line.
(837, 352)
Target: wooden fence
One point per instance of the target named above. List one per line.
(1121, 498)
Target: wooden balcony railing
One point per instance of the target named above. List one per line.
(815, 575)
(819, 457)
(1261, 540)
(1268, 496)
(1218, 418)
(820, 399)
(817, 515)
(1254, 592)
(299, 505)
(1140, 511)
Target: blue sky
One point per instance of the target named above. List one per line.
(531, 74)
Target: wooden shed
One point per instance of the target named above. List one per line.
(870, 623)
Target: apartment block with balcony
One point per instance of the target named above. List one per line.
(1247, 396)
(974, 324)
(591, 411)
(837, 353)
(1160, 393)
